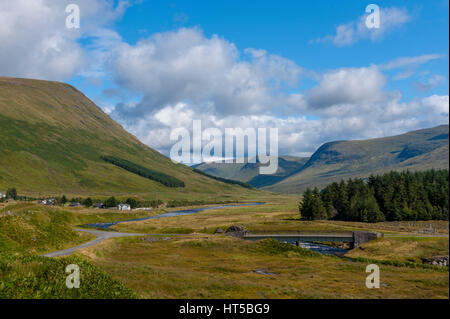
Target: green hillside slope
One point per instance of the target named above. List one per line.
(249, 172)
(52, 138)
(417, 150)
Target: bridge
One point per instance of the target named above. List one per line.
(355, 238)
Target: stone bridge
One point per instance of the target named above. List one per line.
(355, 238)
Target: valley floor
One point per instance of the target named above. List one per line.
(201, 264)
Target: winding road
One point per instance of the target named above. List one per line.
(101, 236)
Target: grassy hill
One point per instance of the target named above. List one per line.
(249, 172)
(417, 150)
(52, 138)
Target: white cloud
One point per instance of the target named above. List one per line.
(297, 134)
(408, 61)
(436, 108)
(351, 32)
(35, 42)
(185, 76)
(347, 85)
(211, 73)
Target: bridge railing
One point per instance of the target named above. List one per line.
(297, 232)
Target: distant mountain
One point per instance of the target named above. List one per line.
(249, 172)
(417, 150)
(52, 138)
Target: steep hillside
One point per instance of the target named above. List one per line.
(417, 150)
(52, 138)
(249, 172)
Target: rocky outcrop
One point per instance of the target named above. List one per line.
(436, 260)
(236, 231)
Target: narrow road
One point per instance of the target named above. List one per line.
(101, 236)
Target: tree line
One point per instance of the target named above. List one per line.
(110, 202)
(160, 177)
(393, 196)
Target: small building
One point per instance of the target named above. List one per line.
(2, 195)
(48, 202)
(98, 205)
(124, 207)
(74, 204)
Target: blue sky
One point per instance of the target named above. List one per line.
(286, 28)
(306, 67)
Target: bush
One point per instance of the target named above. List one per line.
(132, 202)
(88, 202)
(11, 193)
(111, 202)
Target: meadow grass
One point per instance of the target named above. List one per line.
(222, 267)
(34, 277)
(406, 249)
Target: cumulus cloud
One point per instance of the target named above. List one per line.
(35, 42)
(299, 135)
(211, 73)
(351, 32)
(347, 86)
(185, 76)
(436, 108)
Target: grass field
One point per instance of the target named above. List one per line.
(223, 267)
(201, 264)
(405, 248)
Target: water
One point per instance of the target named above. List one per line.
(320, 248)
(170, 214)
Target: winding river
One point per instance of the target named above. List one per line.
(170, 214)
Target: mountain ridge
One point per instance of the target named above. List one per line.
(336, 160)
(333, 161)
(52, 138)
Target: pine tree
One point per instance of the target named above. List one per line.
(306, 205)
